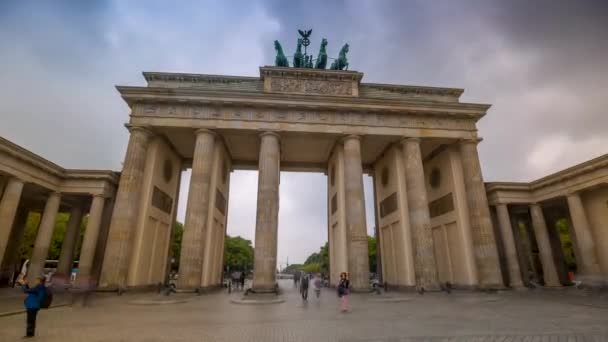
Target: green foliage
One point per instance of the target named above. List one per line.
(314, 267)
(61, 222)
(176, 243)
(371, 247)
(292, 268)
(238, 254)
(568, 247)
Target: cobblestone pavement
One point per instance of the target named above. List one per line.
(565, 315)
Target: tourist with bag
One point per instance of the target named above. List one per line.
(35, 298)
(343, 291)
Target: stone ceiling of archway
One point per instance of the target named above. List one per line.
(299, 151)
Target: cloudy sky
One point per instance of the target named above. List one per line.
(542, 64)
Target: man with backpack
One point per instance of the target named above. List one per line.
(36, 298)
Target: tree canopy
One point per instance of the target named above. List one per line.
(238, 254)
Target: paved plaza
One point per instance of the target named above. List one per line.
(560, 315)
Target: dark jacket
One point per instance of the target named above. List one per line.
(35, 295)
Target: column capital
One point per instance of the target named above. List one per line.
(142, 129)
(410, 140)
(98, 195)
(573, 193)
(270, 133)
(475, 140)
(12, 178)
(351, 136)
(204, 131)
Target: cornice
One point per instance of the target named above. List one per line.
(195, 78)
(557, 177)
(134, 95)
(406, 89)
(41, 163)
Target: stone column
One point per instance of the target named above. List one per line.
(8, 211)
(506, 231)
(124, 217)
(544, 246)
(197, 210)
(84, 279)
(12, 261)
(267, 214)
(45, 233)
(486, 253)
(356, 228)
(66, 257)
(588, 264)
(420, 219)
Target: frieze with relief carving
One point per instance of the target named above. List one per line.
(311, 86)
(300, 116)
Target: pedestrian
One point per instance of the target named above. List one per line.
(35, 296)
(343, 291)
(242, 279)
(296, 279)
(317, 283)
(304, 286)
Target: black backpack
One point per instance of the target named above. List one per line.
(45, 303)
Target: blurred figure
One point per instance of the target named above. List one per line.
(343, 291)
(32, 303)
(317, 283)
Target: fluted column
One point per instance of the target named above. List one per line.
(267, 214)
(587, 260)
(84, 278)
(66, 256)
(8, 211)
(506, 231)
(420, 220)
(197, 211)
(45, 233)
(484, 242)
(544, 246)
(356, 227)
(126, 210)
(11, 261)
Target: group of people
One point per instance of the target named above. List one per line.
(305, 280)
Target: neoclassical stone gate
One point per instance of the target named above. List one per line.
(418, 143)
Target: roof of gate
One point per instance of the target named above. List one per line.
(256, 85)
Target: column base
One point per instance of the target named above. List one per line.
(258, 299)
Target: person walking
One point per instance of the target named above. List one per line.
(35, 295)
(242, 281)
(343, 291)
(304, 286)
(317, 283)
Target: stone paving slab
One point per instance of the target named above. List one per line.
(461, 316)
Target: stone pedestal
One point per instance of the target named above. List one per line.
(126, 209)
(84, 278)
(197, 211)
(8, 211)
(420, 222)
(356, 228)
(267, 215)
(506, 231)
(486, 253)
(66, 257)
(45, 233)
(588, 266)
(544, 246)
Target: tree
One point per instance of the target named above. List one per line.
(292, 268)
(371, 247)
(238, 254)
(176, 244)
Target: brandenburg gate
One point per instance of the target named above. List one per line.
(418, 143)
(433, 220)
